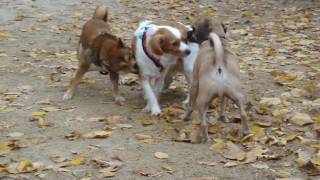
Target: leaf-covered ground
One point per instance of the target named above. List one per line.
(89, 137)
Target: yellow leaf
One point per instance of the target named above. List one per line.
(88, 81)
(142, 136)
(39, 113)
(316, 159)
(41, 123)
(233, 152)
(257, 132)
(280, 112)
(5, 34)
(4, 148)
(79, 159)
(98, 134)
(145, 121)
(113, 119)
(218, 146)
(25, 166)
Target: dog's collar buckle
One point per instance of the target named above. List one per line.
(154, 59)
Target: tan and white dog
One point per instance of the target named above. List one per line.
(216, 73)
(99, 50)
(158, 46)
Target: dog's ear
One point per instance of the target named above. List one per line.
(224, 27)
(190, 33)
(120, 43)
(156, 44)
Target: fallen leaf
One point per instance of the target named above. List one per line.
(143, 136)
(41, 122)
(260, 165)
(282, 174)
(5, 34)
(112, 119)
(124, 126)
(50, 109)
(72, 136)
(78, 160)
(39, 113)
(270, 101)
(146, 121)
(231, 164)
(168, 169)
(218, 146)
(263, 123)
(25, 166)
(233, 152)
(207, 163)
(57, 159)
(257, 132)
(98, 134)
(254, 154)
(301, 119)
(303, 158)
(4, 148)
(15, 134)
(161, 155)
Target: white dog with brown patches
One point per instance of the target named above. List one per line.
(158, 46)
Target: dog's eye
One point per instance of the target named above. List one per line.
(176, 44)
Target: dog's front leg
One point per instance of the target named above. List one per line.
(158, 86)
(115, 88)
(152, 103)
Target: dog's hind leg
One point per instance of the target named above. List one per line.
(239, 99)
(84, 66)
(222, 112)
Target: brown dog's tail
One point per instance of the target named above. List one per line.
(216, 43)
(101, 13)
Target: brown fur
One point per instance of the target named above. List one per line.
(107, 48)
(205, 87)
(164, 41)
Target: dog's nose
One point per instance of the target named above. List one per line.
(187, 52)
(135, 68)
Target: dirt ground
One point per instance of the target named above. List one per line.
(43, 137)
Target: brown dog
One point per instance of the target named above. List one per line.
(216, 73)
(105, 51)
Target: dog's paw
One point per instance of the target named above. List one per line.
(120, 100)
(245, 132)
(224, 119)
(155, 112)
(146, 109)
(185, 117)
(67, 95)
(207, 140)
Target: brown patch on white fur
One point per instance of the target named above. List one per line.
(182, 28)
(163, 41)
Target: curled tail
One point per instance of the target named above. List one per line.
(219, 52)
(101, 13)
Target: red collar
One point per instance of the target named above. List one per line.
(154, 59)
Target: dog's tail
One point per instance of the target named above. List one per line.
(101, 13)
(216, 43)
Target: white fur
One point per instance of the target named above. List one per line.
(150, 73)
(188, 63)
